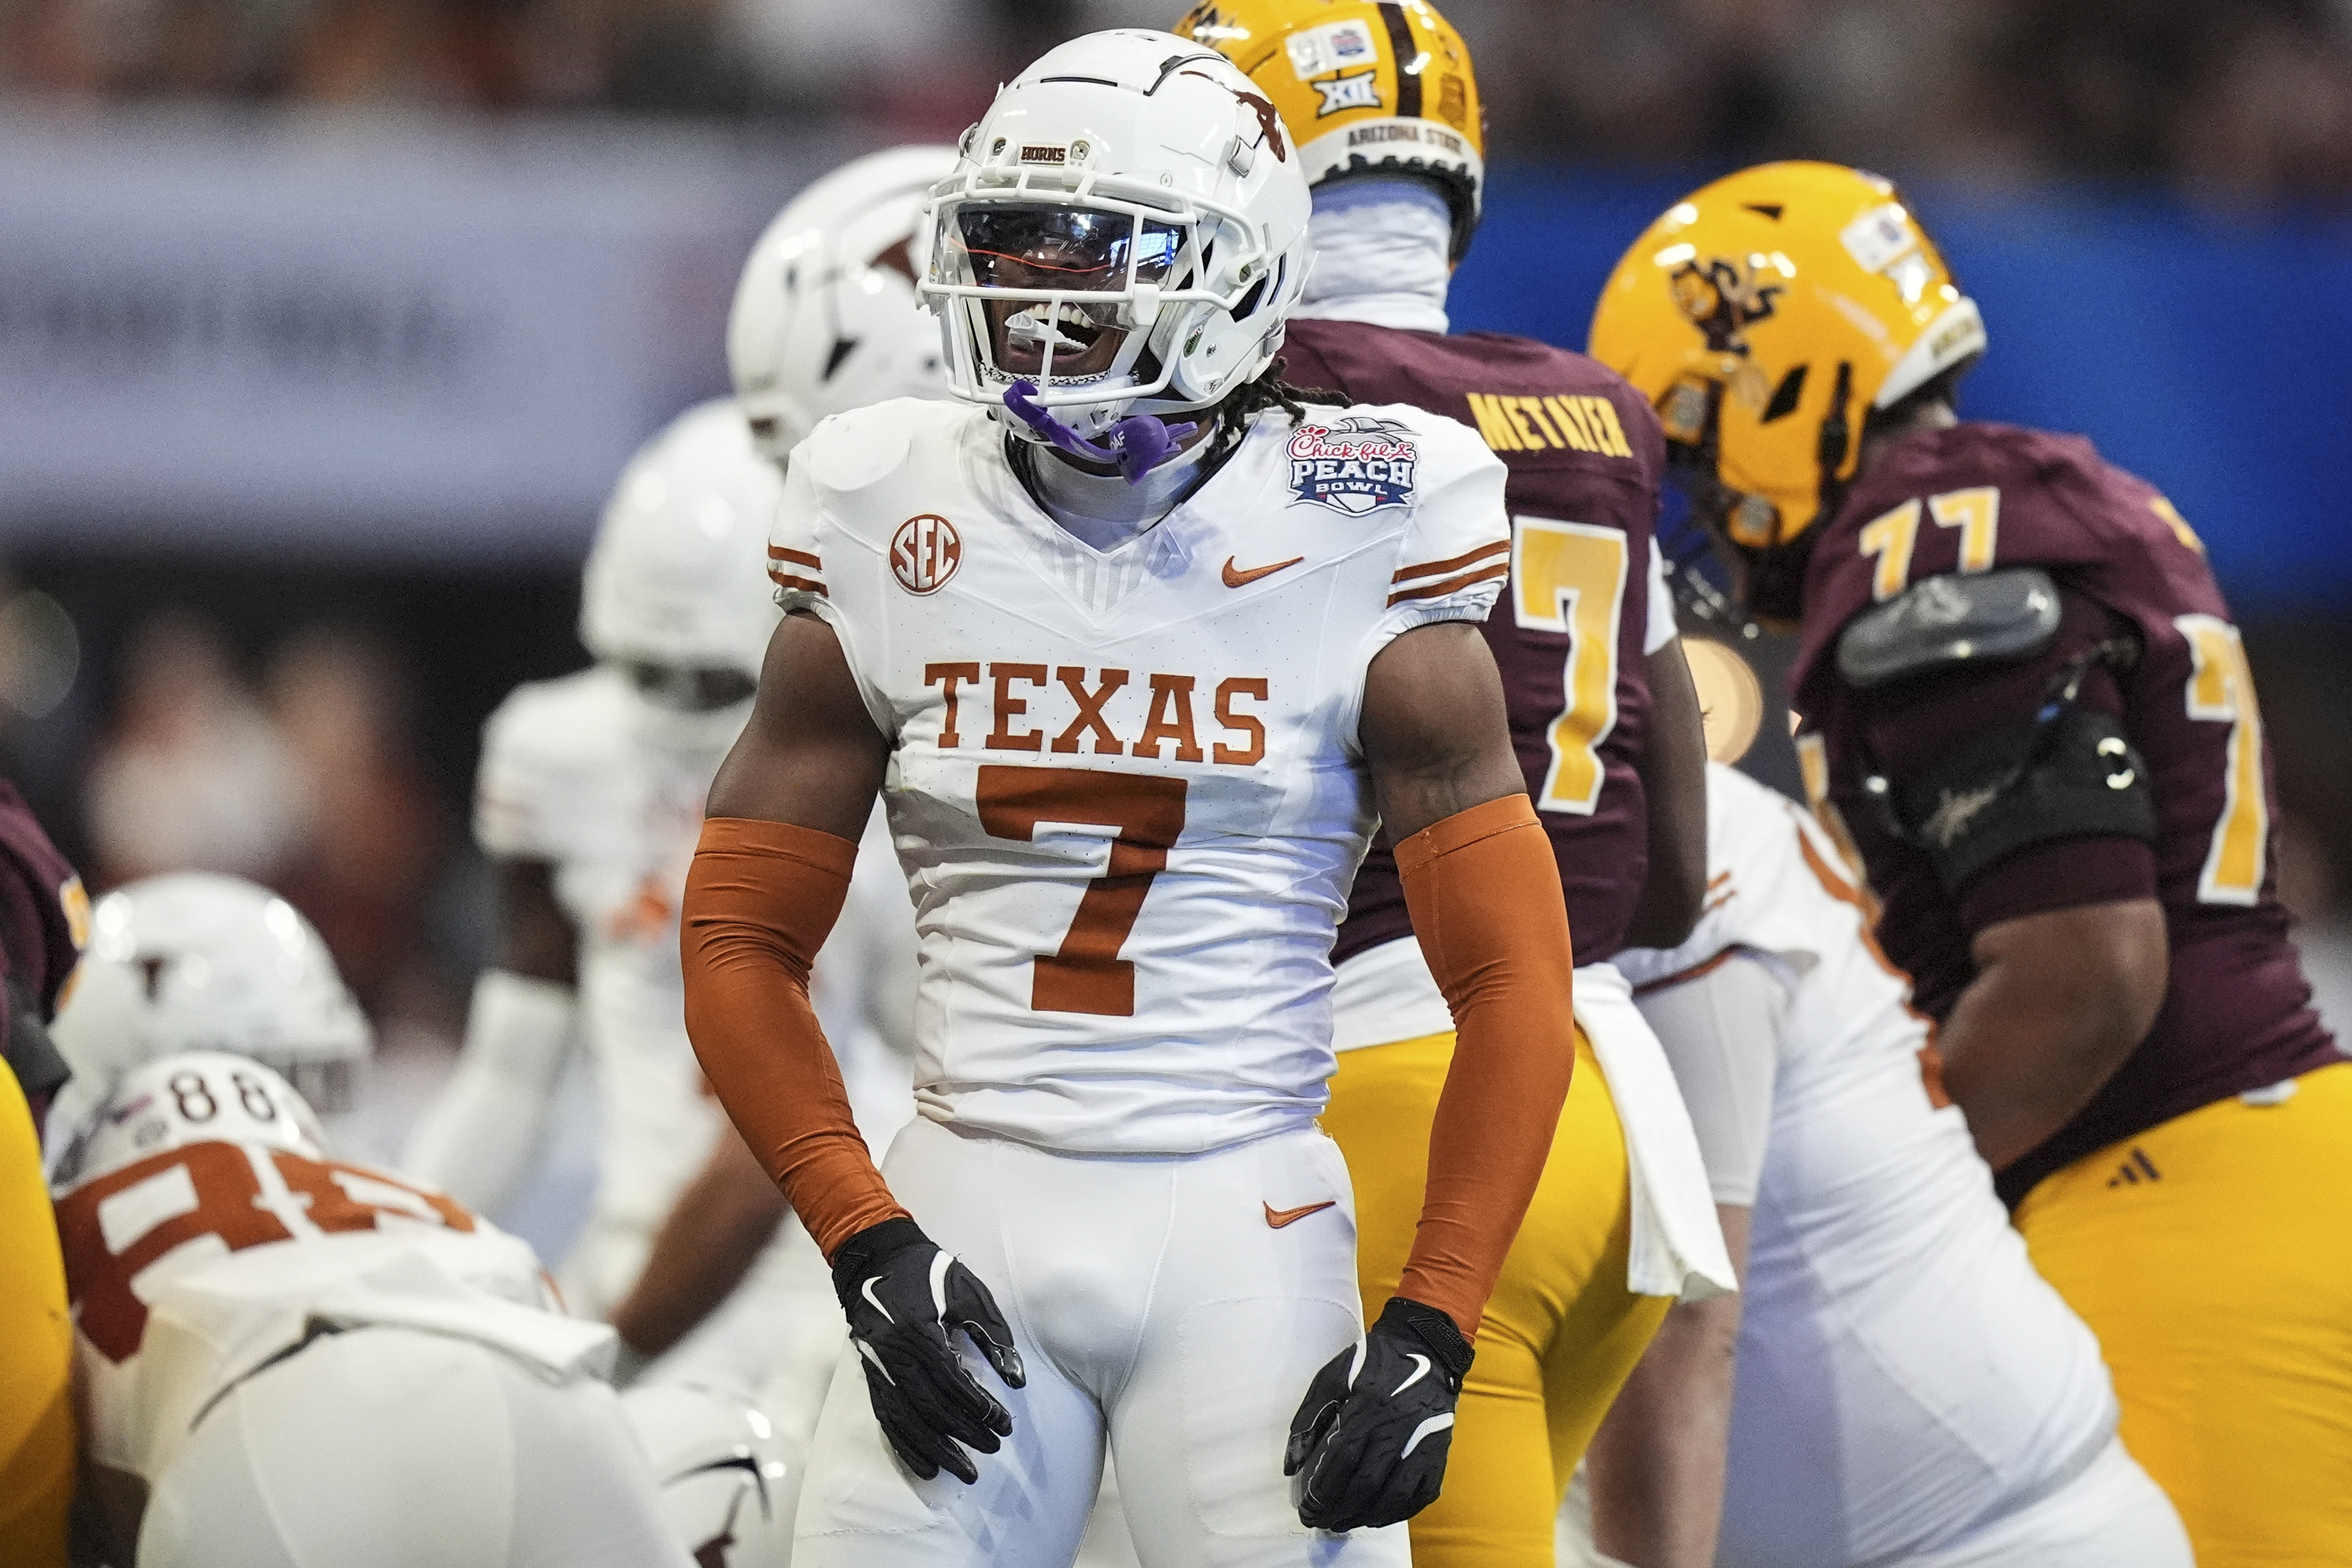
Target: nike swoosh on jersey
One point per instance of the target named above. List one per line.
(1234, 579)
(1278, 1218)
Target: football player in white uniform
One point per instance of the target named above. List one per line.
(287, 1362)
(825, 320)
(1132, 651)
(1909, 1390)
(589, 795)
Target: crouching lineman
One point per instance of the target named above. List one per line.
(589, 795)
(1132, 681)
(1608, 735)
(2024, 704)
(287, 1362)
(1908, 1390)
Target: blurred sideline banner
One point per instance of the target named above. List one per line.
(2206, 353)
(357, 333)
(345, 332)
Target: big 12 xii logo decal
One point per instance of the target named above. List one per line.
(1353, 466)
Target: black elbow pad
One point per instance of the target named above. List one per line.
(2073, 775)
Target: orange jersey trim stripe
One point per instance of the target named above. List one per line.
(797, 557)
(811, 583)
(1430, 568)
(1439, 590)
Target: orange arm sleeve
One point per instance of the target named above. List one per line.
(1485, 895)
(759, 900)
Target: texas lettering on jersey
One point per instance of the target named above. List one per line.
(1102, 711)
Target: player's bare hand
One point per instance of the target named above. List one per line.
(1371, 1436)
(905, 1297)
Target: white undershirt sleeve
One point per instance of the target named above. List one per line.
(482, 1137)
(1722, 1033)
(1661, 628)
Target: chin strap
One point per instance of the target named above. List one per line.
(1138, 444)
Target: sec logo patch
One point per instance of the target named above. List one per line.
(925, 553)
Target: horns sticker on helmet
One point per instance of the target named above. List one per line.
(1269, 121)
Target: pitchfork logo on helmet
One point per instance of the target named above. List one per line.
(1125, 234)
(1721, 298)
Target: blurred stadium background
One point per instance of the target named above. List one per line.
(325, 325)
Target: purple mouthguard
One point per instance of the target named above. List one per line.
(1138, 444)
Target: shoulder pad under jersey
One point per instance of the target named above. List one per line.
(551, 756)
(1946, 620)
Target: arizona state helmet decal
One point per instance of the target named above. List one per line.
(1364, 87)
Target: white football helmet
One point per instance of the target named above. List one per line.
(825, 317)
(199, 961)
(723, 1490)
(675, 593)
(1125, 230)
(188, 1096)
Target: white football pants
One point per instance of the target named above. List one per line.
(1155, 1304)
(384, 1447)
(2110, 1516)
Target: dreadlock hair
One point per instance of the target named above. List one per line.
(1252, 398)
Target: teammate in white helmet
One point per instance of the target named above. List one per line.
(1132, 651)
(1908, 1391)
(195, 961)
(825, 317)
(288, 1361)
(589, 796)
(825, 320)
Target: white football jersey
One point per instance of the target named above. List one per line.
(569, 775)
(193, 1267)
(1904, 1373)
(1125, 785)
(566, 778)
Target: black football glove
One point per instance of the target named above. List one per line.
(1373, 1432)
(904, 1297)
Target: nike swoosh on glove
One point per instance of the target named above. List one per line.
(903, 1298)
(1372, 1435)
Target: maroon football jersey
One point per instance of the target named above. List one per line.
(1586, 457)
(42, 913)
(2236, 1015)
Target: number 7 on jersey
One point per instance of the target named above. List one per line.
(1571, 577)
(1085, 973)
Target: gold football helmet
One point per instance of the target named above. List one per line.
(1364, 89)
(1765, 316)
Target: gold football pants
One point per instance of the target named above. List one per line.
(37, 1424)
(2212, 1256)
(1563, 1332)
